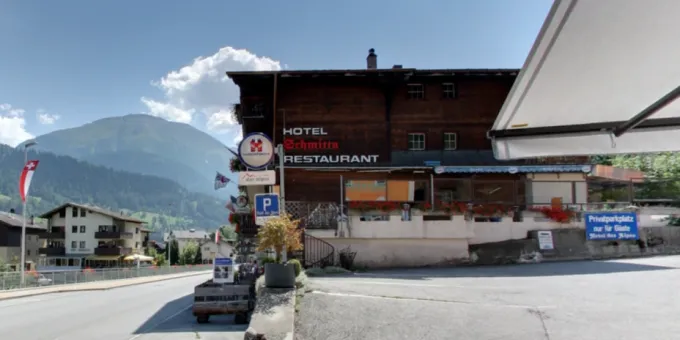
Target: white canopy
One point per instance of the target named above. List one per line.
(602, 78)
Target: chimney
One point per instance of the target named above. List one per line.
(31, 220)
(396, 67)
(372, 60)
(12, 211)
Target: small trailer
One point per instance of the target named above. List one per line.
(236, 298)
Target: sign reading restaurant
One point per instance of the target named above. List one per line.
(313, 139)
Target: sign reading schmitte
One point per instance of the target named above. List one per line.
(256, 151)
(313, 139)
(611, 226)
(266, 177)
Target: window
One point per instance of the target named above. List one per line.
(136, 245)
(82, 213)
(450, 141)
(62, 213)
(136, 230)
(416, 141)
(415, 91)
(82, 229)
(449, 91)
(74, 244)
(82, 244)
(74, 212)
(74, 229)
(28, 252)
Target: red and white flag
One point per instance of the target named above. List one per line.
(217, 236)
(25, 179)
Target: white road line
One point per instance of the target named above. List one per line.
(145, 331)
(432, 300)
(395, 284)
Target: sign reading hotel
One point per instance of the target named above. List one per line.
(314, 139)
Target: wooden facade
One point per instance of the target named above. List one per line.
(370, 114)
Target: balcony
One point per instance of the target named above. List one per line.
(102, 251)
(54, 251)
(112, 235)
(57, 235)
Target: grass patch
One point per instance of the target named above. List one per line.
(326, 271)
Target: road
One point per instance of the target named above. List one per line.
(159, 310)
(604, 300)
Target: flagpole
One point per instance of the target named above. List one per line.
(23, 223)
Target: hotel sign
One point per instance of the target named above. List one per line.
(314, 139)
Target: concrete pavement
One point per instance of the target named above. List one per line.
(158, 310)
(603, 300)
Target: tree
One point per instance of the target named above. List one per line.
(174, 252)
(159, 259)
(280, 233)
(662, 172)
(188, 253)
(198, 259)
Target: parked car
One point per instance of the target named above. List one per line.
(44, 281)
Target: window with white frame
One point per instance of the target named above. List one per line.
(82, 244)
(449, 90)
(415, 91)
(416, 141)
(450, 141)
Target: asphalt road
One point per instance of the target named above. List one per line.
(604, 300)
(159, 310)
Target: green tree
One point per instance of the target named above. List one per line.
(188, 253)
(174, 252)
(198, 259)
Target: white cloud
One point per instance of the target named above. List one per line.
(12, 125)
(203, 87)
(46, 118)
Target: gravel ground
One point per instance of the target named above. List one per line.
(600, 300)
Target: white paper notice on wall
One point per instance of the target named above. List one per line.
(545, 240)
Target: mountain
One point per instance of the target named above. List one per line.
(163, 203)
(147, 145)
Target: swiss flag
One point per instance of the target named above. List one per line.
(217, 236)
(25, 179)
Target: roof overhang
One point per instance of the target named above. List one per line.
(601, 78)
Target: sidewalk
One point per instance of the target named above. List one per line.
(99, 285)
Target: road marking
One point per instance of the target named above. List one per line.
(161, 322)
(396, 284)
(431, 300)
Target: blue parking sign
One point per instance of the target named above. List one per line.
(266, 206)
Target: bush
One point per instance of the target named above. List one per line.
(298, 266)
(281, 234)
(267, 260)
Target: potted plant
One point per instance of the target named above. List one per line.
(281, 234)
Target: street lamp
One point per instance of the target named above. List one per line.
(23, 224)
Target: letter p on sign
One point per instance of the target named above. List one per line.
(266, 203)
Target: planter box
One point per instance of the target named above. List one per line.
(278, 275)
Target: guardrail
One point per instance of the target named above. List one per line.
(12, 280)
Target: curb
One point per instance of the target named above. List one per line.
(271, 318)
(86, 289)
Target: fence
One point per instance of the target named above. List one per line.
(12, 280)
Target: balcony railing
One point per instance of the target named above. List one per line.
(54, 251)
(52, 235)
(103, 251)
(112, 235)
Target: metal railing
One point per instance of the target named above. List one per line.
(12, 280)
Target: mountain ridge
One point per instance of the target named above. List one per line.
(145, 144)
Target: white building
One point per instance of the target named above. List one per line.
(210, 250)
(183, 237)
(81, 235)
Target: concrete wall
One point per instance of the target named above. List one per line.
(384, 253)
(397, 243)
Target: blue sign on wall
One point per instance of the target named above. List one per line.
(611, 226)
(266, 206)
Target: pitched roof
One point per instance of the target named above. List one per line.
(95, 209)
(14, 220)
(187, 234)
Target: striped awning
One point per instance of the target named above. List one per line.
(520, 169)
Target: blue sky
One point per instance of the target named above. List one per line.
(69, 62)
